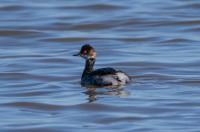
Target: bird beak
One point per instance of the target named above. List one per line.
(77, 54)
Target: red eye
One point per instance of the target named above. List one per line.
(84, 52)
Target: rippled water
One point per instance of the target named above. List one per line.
(157, 43)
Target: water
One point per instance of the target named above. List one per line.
(155, 42)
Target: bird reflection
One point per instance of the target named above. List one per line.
(93, 92)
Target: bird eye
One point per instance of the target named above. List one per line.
(84, 52)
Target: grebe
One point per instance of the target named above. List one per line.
(99, 77)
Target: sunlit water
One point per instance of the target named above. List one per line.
(157, 43)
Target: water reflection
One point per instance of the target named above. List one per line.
(93, 92)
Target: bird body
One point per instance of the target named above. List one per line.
(100, 77)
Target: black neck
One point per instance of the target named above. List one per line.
(88, 66)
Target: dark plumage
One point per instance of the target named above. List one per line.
(99, 77)
(103, 71)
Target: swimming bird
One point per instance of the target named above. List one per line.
(100, 77)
